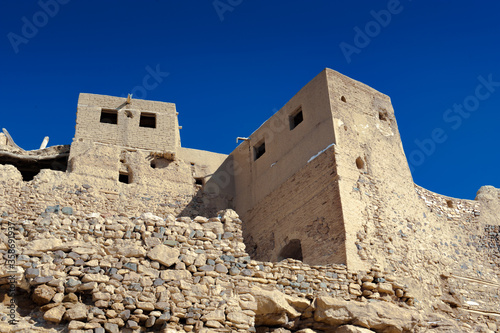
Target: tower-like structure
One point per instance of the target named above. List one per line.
(307, 180)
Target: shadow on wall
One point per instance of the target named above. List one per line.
(30, 166)
(215, 192)
(291, 250)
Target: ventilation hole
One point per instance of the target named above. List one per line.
(343, 99)
(449, 203)
(109, 116)
(296, 119)
(382, 116)
(198, 181)
(360, 163)
(292, 250)
(124, 178)
(153, 164)
(259, 150)
(147, 120)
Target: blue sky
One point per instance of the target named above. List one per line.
(232, 63)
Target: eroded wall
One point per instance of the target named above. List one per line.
(127, 132)
(306, 209)
(286, 150)
(369, 155)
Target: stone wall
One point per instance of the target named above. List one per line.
(94, 261)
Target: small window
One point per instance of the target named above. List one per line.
(343, 99)
(109, 116)
(124, 178)
(147, 120)
(259, 150)
(296, 119)
(198, 181)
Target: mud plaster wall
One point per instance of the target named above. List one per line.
(309, 211)
(127, 132)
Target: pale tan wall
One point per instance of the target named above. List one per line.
(127, 133)
(286, 150)
(360, 133)
(204, 163)
(305, 207)
(105, 161)
(489, 197)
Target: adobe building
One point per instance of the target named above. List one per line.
(136, 142)
(297, 181)
(325, 180)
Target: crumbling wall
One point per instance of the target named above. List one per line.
(127, 132)
(90, 259)
(305, 210)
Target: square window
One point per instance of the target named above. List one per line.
(147, 120)
(296, 118)
(259, 150)
(109, 116)
(124, 178)
(199, 181)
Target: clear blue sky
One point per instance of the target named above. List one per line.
(232, 63)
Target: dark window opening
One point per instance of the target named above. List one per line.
(124, 178)
(343, 99)
(296, 119)
(449, 203)
(109, 116)
(292, 250)
(198, 181)
(147, 120)
(259, 150)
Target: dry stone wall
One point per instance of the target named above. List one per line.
(89, 264)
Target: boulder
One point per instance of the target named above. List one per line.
(77, 312)
(43, 294)
(165, 255)
(272, 307)
(55, 314)
(378, 315)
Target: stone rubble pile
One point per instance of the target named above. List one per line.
(100, 273)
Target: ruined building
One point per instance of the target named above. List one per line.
(325, 181)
